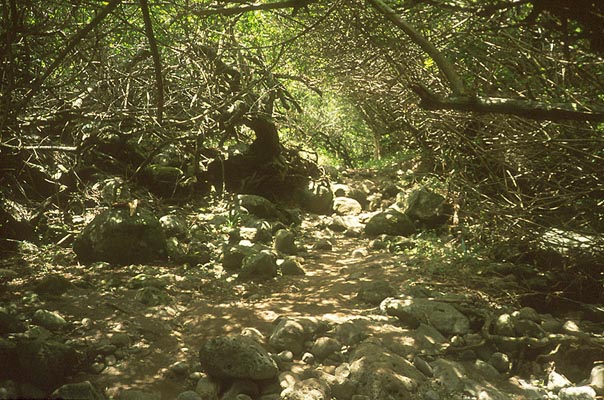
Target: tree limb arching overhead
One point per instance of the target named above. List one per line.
(462, 101)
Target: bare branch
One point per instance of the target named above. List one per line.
(496, 105)
(295, 4)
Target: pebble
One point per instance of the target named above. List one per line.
(120, 339)
(308, 358)
(423, 366)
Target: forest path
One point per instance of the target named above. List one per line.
(203, 307)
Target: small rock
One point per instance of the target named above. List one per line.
(346, 206)
(500, 361)
(308, 358)
(258, 267)
(360, 253)
(207, 388)
(349, 333)
(431, 395)
(49, 320)
(504, 325)
(529, 328)
(530, 314)
(289, 335)
(423, 366)
(179, 369)
(285, 242)
(291, 267)
(286, 356)
(120, 339)
(324, 346)
(577, 393)
(9, 323)
(551, 325)
(308, 389)
(486, 369)
(237, 357)
(390, 222)
(78, 391)
(596, 379)
(134, 394)
(322, 244)
(151, 296)
(374, 292)
(556, 382)
(54, 285)
(189, 395)
(571, 327)
(255, 334)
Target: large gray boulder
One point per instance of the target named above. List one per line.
(428, 208)
(237, 357)
(390, 222)
(118, 237)
(411, 312)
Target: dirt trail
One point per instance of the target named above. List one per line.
(203, 308)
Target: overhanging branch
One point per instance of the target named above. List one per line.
(295, 4)
(496, 105)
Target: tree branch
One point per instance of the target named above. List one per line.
(156, 59)
(295, 4)
(519, 107)
(447, 68)
(37, 84)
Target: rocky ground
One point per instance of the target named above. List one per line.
(263, 302)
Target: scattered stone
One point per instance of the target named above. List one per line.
(308, 389)
(207, 388)
(10, 323)
(118, 237)
(427, 207)
(259, 206)
(486, 369)
(120, 339)
(146, 280)
(289, 335)
(444, 317)
(49, 320)
(325, 346)
(317, 199)
(577, 393)
(429, 338)
(340, 190)
(285, 242)
(500, 361)
(78, 391)
(390, 222)
(571, 328)
(551, 325)
(423, 366)
(258, 267)
(504, 325)
(54, 285)
(451, 374)
(233, 255)
(151, 296)
(346, 206)
(237, 357)
(174, 225)
(349, 334)
(374, 292)
(529, 313)
(134, 394)
(525, 327)
(361, 252)
(596, 379)
(43, 363)
(308, 358)
(291, 266)
(189, 395)
(255, 334)
(322, 244)
(556, 382)
(382, 375)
